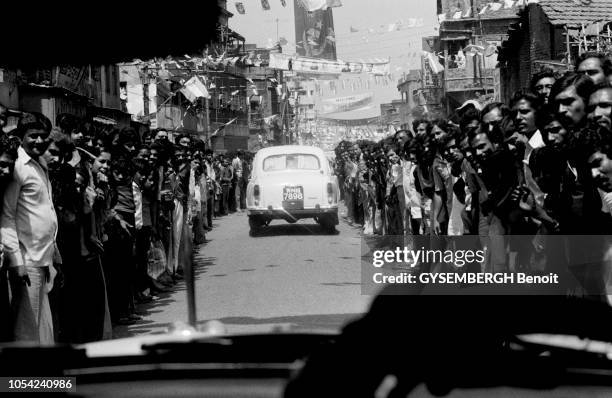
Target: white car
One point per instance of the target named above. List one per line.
(292, 182)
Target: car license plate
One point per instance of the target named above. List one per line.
(293, 197)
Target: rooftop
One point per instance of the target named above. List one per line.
(492, 10)
(573, 13)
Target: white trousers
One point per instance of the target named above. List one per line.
(177, 232)
(31, 305)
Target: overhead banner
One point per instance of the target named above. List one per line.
(345, 104)
(322, 66)
(314, 32)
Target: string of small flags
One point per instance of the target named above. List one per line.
(265, 5)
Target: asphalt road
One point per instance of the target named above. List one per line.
(291, 277)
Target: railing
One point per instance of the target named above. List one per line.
(462, 79)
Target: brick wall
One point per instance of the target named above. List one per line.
(540, 35)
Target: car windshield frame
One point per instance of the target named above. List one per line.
(286, 156)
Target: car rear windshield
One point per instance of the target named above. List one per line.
(296, 161)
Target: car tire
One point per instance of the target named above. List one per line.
(327, 223)
(255, 224)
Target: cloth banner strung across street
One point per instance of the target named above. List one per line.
(315, 65)
(345, 104)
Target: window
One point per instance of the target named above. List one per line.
(293, 161)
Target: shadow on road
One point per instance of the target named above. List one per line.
(162, 300)
(298, 323)
(302, 323)
(293, 230)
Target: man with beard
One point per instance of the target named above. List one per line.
(600, 108)
(29, 228)
(570, 96)
(8, 155)
(595, 66)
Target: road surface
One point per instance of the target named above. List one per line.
(291, 277)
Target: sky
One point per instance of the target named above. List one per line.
(260, 27)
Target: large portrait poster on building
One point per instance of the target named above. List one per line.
(314, 32)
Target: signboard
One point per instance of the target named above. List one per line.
(72, 78)
(314, 32)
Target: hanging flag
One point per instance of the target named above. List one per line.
(223, 126)
(314, 5)
(194, 89)
(240, 7)
(265, 4)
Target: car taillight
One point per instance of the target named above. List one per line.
(330, 193)
(256, 194)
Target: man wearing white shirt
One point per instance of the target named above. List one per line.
(29, 229)
(525, 108)
(237, 166)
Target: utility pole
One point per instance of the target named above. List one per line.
(145, 91)
(207, 115)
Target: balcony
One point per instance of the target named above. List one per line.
(466, 79)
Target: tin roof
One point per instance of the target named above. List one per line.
(573, 13)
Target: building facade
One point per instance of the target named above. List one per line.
(551, 34)
(470, 33)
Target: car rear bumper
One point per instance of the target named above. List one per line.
(302, 213)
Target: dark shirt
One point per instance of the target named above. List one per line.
(443, 185)
(124, 201)
(500, 176)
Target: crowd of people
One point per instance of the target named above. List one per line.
(96, 220)
(538, 167)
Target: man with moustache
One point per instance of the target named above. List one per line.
(29, 229)
(570, 97)
(542, 83)
(595, 66)
(600, 108)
